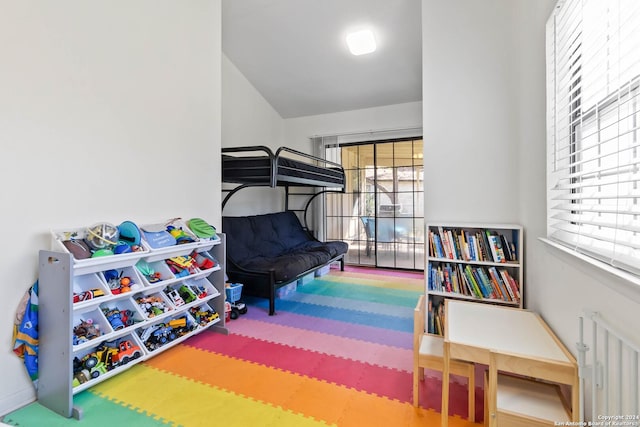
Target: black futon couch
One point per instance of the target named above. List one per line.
(266, 252)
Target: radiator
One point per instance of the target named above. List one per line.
(608, 370)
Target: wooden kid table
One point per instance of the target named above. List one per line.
(473, 330)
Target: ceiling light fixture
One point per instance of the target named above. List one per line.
(361, 42)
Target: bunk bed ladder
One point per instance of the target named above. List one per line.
(611, 380)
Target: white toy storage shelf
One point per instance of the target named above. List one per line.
(145, 333)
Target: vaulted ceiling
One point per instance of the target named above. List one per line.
(294, 52)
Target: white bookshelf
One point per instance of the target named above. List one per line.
(477, 262)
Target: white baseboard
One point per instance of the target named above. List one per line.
(16, 401)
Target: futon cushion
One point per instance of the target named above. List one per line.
(263, 236)
(276, 241)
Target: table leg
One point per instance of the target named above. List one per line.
(575, 399)
(444, 421)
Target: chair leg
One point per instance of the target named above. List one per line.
(472, 394)
(486, 400)
(421, 373)
(416, 375)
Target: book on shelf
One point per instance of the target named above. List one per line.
(515, 288)
(506, 246)
(474, 285)
(505, 291)
(491, 290)
(435, 317)
(430, 319)
(464, 246)
(438, 251)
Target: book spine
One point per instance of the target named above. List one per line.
(474, 285)
(493, 293)
(464, 246)
(483, 290)
(514, 286)
(472, 248)
(506, 295)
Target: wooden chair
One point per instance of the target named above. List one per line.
(531, 398)
(428, 353)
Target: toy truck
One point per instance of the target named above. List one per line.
(127, 351)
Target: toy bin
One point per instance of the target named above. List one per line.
(155, 274)
(202, 287)
(91, 264)
(88, 289)
(122, 280)
(93, 362)
(233, 291)
(156, 254)
(166, 332)
(233, 294)
(205, 261)
(306, 279)
(89, 326)
(322, 271)
(122, 314)
(183, 266)
(204, 315)
(152, 304)
(180, 294)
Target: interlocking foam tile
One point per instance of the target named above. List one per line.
(338, 302)
(183, 401)
(349, 373)
(350, 316)
(328, 325)
(415, 283)
(97, 412)
(374, 353)
(317, 399)
(360, 292)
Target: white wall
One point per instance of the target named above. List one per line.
(485, 131)
(248, 119)
(106, 114)
(398, 116)
(468, 93)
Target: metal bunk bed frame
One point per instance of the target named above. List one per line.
(273, 177)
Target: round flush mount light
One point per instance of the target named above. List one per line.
(361, 42)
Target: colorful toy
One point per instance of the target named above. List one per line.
(203, 316)
(119, 284)
(199, 291)
(174, 297)
(182, 265)
(180, 235)
(102, 235)
(234, 292)
(119, 319)
(158, 335)
(87, 295)
(86, 330)
(203, 262)
(152, 305)
(186, 294)
(107, 356)
(148, 271)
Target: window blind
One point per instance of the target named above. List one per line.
(593, 123)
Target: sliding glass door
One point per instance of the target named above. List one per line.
(381, 215)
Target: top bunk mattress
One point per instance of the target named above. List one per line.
(270, 170)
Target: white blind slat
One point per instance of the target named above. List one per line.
(593, 110)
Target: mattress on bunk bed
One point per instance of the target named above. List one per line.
(257, 169)
(276, 241)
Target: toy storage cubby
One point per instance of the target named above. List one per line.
(72, 291)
